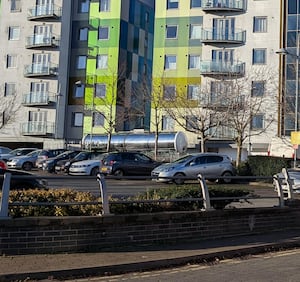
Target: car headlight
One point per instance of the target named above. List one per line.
(168, 169)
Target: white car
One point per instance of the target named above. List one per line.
(87, 167)
(294, 175)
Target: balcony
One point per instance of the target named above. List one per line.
(214, 36)
(222, 132)
(37, 128)
(38, 99)
(42, 40)
(49, 11)
(219, 68)
(223, 102)
(34, 70)
(224, 5)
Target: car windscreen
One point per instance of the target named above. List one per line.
(182, 160)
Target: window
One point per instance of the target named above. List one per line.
(15, 5)
(167, 123)
(102, 61)
(195, 31)
(195, 3)
(170, 62)
(171, 32)
(169, 92)
(104, 5)
(11, 61)
(194, 62)
(84, 6)
(260, 24)
(172, 4)
(14, 33)
(10, 89)
(102, 32)
(83, 34)
(100, 90)
(81, 62)
(257, 121)
(191, 123)
(98, 119)
(79, 90)
(259, 56)
(193, 92)
(77, 119)
(258, 88)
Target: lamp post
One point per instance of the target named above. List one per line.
(285, 52)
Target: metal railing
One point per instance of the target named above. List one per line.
(105, 202)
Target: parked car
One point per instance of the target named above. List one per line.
(16, 152)
(4, 150)
(45, 154)
(210, 165)
(127, 163)
(3, 164)
(87, 167)
(26, 162)
(50, 163)
(24, 180)
(294, 175)
(64, 165)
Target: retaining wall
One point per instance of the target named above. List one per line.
(43, 235)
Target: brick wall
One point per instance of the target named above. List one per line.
(78, 234)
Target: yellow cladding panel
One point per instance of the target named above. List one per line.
(295, 137)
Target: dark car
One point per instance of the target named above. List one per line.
(46, 154)
(127, 163)
(64, 165)
(23, 180)
(49, 164)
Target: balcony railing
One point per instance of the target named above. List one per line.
(37, 128)
(44, 11)
(48, 69)
(42, 40)
(222, 68)
(221, 36)
(223, 101)
(224, 5)
(222, 132)
(38, 99)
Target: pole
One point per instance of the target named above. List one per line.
(297, 97)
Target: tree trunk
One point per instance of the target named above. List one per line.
(239, 144)
(108, 142)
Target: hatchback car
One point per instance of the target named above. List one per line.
(23, 180)
(26, 162)
(4, 150)
(17, 152)
(127, 163)
(64, 165)
(45, 154)
(210, 165)
(49, 164)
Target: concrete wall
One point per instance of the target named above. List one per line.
(77, 234)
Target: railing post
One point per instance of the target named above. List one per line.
(205, 194)
(5, 196)
(103, 191)
(289, 183)
(280, 193)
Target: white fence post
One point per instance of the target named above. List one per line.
(277, 181)
(289, 183)
(205, 194)
(103, 191)
(5, 196)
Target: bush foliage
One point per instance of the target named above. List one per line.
(188, 197)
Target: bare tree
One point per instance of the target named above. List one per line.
(8, 111)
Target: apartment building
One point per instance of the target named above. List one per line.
(204, 51)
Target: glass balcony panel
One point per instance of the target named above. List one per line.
(42, 40)
(224, 5)
(44, 11)
(40, 70)
(223, 68)
(37, 128)
(38, 98)
(223, 36)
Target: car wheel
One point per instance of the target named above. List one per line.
(119, 172)
(27, 166)
(94, 171)
(227, 180)
(178, 181)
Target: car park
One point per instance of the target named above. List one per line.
(26, 162)
(49, 164)
(127, 163)
(86, 167)
(210, 165)
(16, 152)
(23, 180)
(46, 154)
(64, 165)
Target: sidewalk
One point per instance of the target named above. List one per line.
(141, 258)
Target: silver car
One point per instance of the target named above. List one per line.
(210, 165)
(26, 162)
